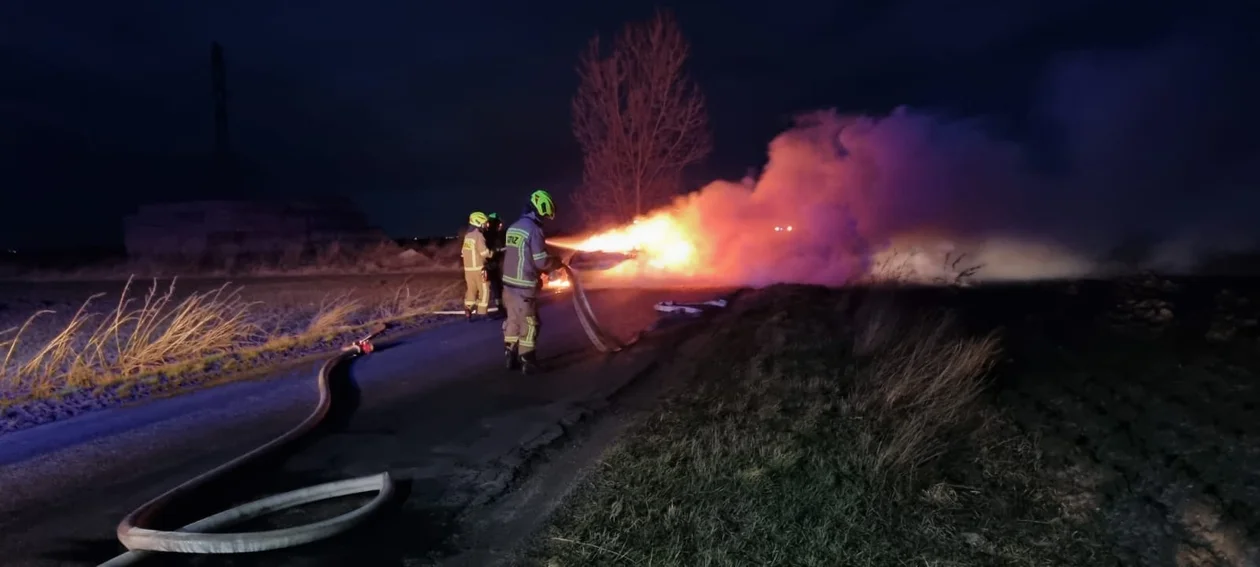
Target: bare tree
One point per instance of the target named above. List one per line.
(639, 119)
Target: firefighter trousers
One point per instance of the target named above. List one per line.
(521, 326)
(477, 291)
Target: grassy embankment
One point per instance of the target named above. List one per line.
(161, 337)
(825, 428)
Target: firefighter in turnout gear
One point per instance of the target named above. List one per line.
(494, 267)
(524, 261)
(475, 253)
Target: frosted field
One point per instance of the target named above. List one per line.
(290, 316)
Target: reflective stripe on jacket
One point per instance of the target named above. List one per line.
(526, 254)
(474, 252)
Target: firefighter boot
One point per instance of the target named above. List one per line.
(529, 364)
(510, 359)
(468, 313)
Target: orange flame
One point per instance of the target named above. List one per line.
(666, 246)
(659, 245)
(558, 283)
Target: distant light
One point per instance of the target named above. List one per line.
(12, 251)
(789, 228)
(778, 229)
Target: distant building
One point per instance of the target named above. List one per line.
(209, 229)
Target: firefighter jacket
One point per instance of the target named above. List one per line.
(526, 254)
(474, 251)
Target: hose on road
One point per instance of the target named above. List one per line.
(604, 341)
(193, 538)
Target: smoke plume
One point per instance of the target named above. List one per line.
(1137, 159)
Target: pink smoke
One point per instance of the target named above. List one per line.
(1142, 153)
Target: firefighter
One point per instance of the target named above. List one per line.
(494, 267)
(475, 253)
(524, 261)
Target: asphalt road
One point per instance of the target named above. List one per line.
(64, 486)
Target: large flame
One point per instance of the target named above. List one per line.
(659, 245)
(851, 200)
(662, 242)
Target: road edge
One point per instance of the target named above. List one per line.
(496, 531)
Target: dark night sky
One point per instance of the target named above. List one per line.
(424, 111)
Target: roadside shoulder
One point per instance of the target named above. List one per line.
(498, 532)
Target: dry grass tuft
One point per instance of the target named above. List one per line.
(334, 313)
(891, 268)
(878, 320)
(129, 339)
(919, 390)
(916, 266)
(411, 300)
(160, 332)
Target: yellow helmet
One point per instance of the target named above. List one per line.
(478, 219)
(543, 205)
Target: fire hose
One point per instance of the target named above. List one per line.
(142, 541)
(604, 341)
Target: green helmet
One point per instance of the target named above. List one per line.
(477, 219)
(542, 204)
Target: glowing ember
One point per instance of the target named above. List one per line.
(559, 283)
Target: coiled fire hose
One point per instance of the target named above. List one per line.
(192, 538)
